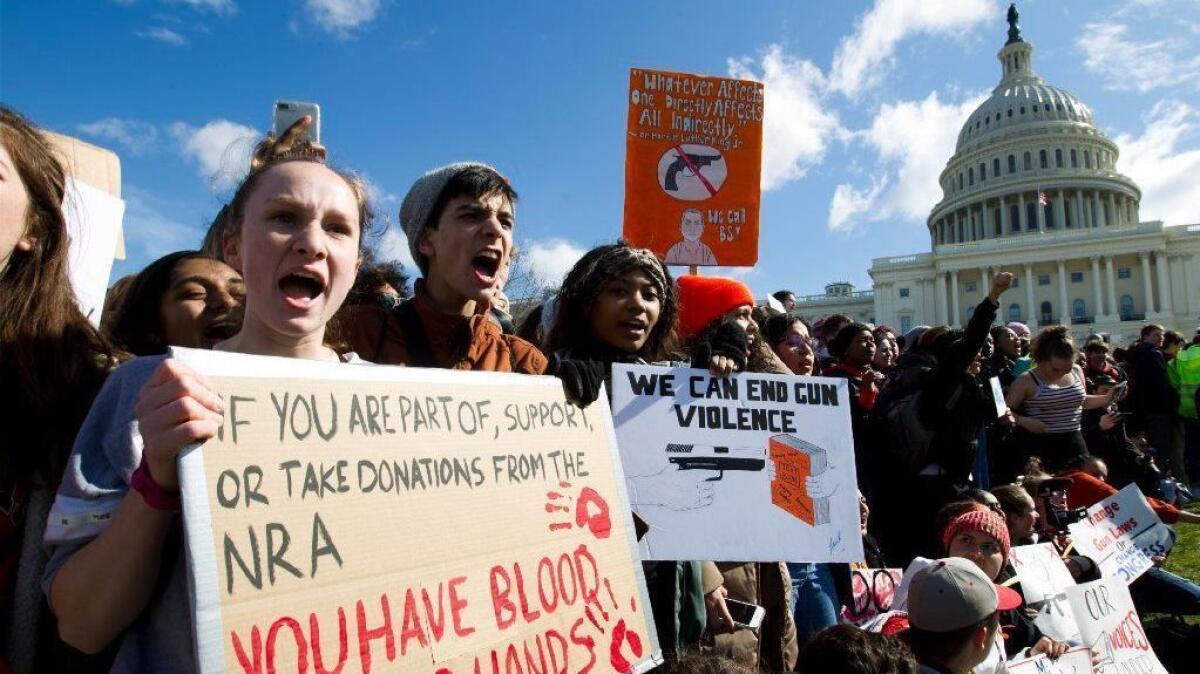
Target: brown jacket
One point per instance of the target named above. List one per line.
(455, 342)
(773, 646)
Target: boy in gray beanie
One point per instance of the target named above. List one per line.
(459, 223)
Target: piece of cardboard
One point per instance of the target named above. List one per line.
(1077, 660)
(1044, 582)
(693, 164)
(998, 396)
(438, 521)
(1121, 533)
(1110, 626)
(94, 165)
(762, 464)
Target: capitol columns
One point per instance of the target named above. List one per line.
(1064, 311)
(1022, 214)
(1112, 207)
(1164, 282)
(941, 298)
(1003, 217)
(1041, 210)
(1079, 222)
(1111, 279)
(1097, 301)
(1097, 211)
(1147, 284)
(956, 319)
(1029, 311)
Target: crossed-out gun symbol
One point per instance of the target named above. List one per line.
(717, 458)
(698, 161)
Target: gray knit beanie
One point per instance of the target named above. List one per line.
(421, 198)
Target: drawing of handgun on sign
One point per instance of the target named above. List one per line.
(685, 482)
(803, 480)
(692, 172)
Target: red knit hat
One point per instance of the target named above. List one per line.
(982, 520)
(703, 299)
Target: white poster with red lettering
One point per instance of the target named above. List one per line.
(1121, 534)
(1110, 626)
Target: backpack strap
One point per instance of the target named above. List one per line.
(419, 352)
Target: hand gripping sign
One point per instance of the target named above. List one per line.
(761, 465)
(381, 519)
(1044, 582)
(1111, 627)
(693, 161)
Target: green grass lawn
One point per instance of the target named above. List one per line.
(1185, 556)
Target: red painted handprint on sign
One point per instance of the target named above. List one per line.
(591, 510)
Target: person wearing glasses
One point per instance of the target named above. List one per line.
(788, 336)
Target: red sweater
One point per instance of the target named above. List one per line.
(1086, 491)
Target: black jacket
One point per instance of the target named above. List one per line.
(1150, 391)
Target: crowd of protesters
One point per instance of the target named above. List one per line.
(92, 574)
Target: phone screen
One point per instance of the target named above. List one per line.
(742, 612)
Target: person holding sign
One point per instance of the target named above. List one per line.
(618, 304)
(116, 569)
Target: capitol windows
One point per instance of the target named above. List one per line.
(904, 293)
(971, 286)
(1047, 313)
(1022, 109)
(996, 167)
(1028, 164)
(1042, 159)
(1014, 216)
(1010, 112)
(960, 181)
(905, 324)
(1076, 277)
(1014, 312)
(1058, 162)
(1043, 279)
(1126, 307)
(1087, 159)
(1124, 272)
(1078, 309)
(1074, 159)
(970, 176)
(983, 171)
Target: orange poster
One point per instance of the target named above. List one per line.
(693, 158)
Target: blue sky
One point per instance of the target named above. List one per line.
(864, 101)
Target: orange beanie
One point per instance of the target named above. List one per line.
(703, 299)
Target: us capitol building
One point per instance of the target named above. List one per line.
(1032, 189)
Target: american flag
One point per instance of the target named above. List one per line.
(1042, 198)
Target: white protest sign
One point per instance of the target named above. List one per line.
(753, 467)
(1121, 533)
(998, 396)
(94, 224)
(383, 519)
(873, 591)
(1110, 626)
(1077, 660)
(1044, 582)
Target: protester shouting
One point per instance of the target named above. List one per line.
(52, 363)
(181, 299)
(117, 569)
(459, 222)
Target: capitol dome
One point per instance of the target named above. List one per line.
(1029, 159)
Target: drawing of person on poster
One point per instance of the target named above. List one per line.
(691, 251)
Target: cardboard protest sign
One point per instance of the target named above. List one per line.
(693, 163)
(93, 209)
(874, 592)
(1110, 626)
(1121, 533)
(998, 396)
(383, 519)
(1044, 582)
(753, 467)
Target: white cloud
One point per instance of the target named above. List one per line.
(393, 245)
(1165, 172)
(379, 198)
(863, 56)
(1129, 65)
(221, 148)
(342, 17)
(913, 140)
(163, 35)
(150, 230)
(132, 136)
(548, 261)
(221, 7)
(797, 125)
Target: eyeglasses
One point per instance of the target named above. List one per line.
(800, 341)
